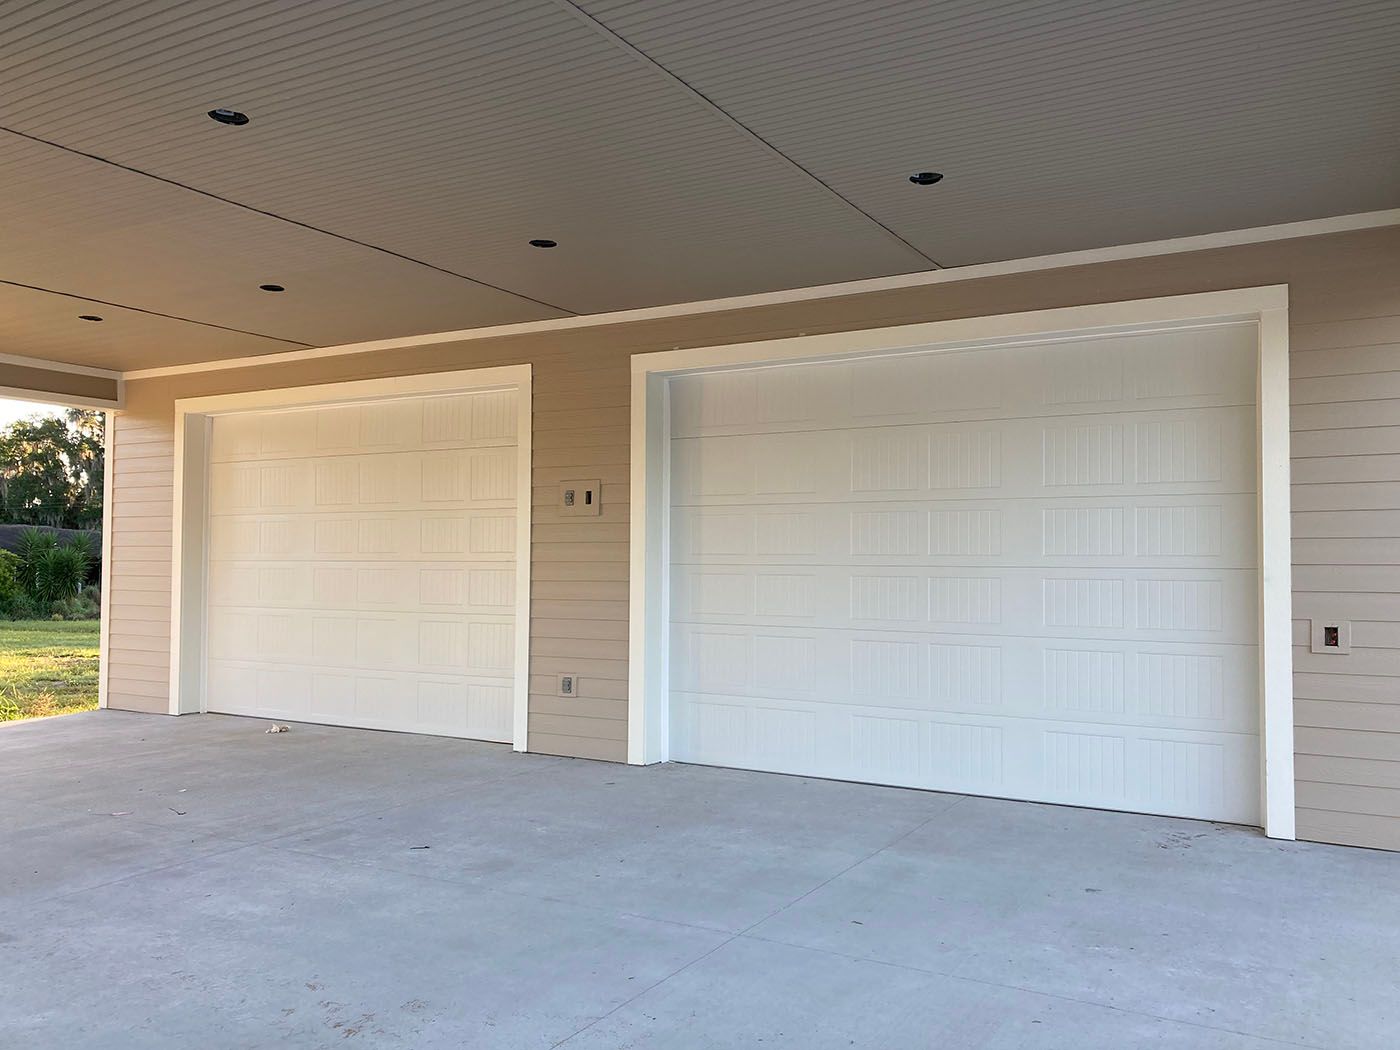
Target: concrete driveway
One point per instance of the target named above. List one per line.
(195, 882)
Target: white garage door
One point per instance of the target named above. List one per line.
(362, 564)
(1027, 572)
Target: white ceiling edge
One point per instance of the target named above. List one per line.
(1144, 249)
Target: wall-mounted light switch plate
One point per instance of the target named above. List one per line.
(567, 684)
(581, 498)
(1331, 636)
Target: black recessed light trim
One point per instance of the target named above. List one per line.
(229, 116)
(926, 178)
(272, 288)
(543, 242)
(88, 317)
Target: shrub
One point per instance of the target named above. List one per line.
(49, 573)
(84, 606)
(20, 607)
(82, 544)
(60, 573)
(13, 600)
(33, 544)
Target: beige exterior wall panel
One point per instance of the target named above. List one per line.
(1345, 336)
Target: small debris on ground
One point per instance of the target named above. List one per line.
(275, 728)
(177, 812)
(420, 847)
(123, 813)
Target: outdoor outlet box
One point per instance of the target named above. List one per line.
(1331, 636)
(581, 498)
(568, 685)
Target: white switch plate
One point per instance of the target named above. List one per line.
(581, 498)
(567, 684)
(1320, 630)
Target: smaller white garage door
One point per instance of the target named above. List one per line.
(362, 564)
(1027, 572)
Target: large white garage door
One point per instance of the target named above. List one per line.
(1027, 572)
(362, 564)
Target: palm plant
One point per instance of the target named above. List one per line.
(51, 572)
(33, 544)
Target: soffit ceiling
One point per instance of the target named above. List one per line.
(402, 153)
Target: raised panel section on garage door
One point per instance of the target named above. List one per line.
(362, 564)
(1028, 572)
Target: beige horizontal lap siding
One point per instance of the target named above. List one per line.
(138, 581)
(1346, 553)
(1345, 335)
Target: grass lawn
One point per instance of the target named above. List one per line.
(47, 667)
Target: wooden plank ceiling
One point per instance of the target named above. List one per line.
(401, 154)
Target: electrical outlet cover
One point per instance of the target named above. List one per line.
(1323, 634)
(581, 498)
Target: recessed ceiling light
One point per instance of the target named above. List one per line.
(88, 317)
(272, 288)
(229, 116)
(926, 178)
(543, 242)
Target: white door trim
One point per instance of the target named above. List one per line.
(190, 535)
(648, 709)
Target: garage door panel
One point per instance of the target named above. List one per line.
(402, 641)
(478, 420)
(1182, 773)
(455, 706)
(361, 564)
(488, 535)
(1196, 450)
(435, 586)
(1028, 572)
(1195, 605)
(436, 480)
(1139, 372)
(1165, 686)
(1165, 531)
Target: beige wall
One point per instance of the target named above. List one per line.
(1345, 331)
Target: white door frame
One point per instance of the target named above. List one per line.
(648, 708)
(190, 555)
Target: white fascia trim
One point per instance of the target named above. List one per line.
(648, 707)
(189, 548)
(41, 397)
(922, 278)
(44, 397)
(58, 366)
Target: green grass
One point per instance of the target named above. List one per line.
(47, 667)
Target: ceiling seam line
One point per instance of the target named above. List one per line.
(153, 313)
(636, 52)
(283, 218)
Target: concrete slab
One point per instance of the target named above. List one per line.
(753, 993)
(716, 848)
(262, 947)
(284, 898)
(1209, 924)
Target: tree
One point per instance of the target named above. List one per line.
(51, 471)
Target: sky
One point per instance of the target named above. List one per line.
(10, 410)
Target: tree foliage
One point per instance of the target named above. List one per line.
(51, 471)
